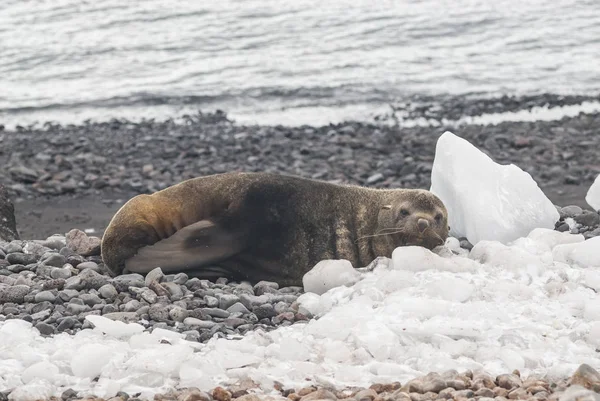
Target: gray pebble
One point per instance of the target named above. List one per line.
(154, 275)
(92, 279)
(61, 273)
(34, 248)
(110, 308)
(211, 302)
(215, 312)
(180, 278)
(174, 289)
(587, 218)
(570, 211)
(21, 258)
(108, 291)
(148, 295)
(234, 322)
(178, 314)
(41, 315)
(132, 306)
(54, 259)
(158, 313)
(76, 309)
(126, 317)
(123, 282)
(226, 300)
(264, 311)
(47, 296)
(238, 307)
(14, 246)
(252, 301)
(66, 324)
(89, 265)
(68, 294)
(90, 299)
(15, 294)
(44, 328)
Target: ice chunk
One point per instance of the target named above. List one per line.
(593, 194)
(31, 391)
(552, 238)
(487, 200)
(451, 289)
(41, 370)
(309, 303)
(114, 327)
(587, 253)
(90, 359)
(418, 258)
(328, 274)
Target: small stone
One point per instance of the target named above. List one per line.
(536, 389)
(15, 294)
(456, 384)
(174, 290)
(88, 265)
(154, 275)
(234, 322)
(211, 302)
(517, 394)
(320, 394)
(91, 279)
(215, 312)
(54, 259)
(227, 300)
(158, 313)
(509, 381)
(61, 273)
(123, 282)
(125, 317)
(238, 307)
(178, 314)
(587, 218)
(264, 311)
(90, 299)
(66, 324)
(220, 394)
(368, 394)
(485, 392)
(501, 392)
(180, 278)
(587, 377)
(148, 295)
(375, 178)
(159, 289)
(193, 394)
(47, 296)
(68, 394)
(306, 390)
(570, 211)
(20, 258)
(44, 328)
(108, 291)
(79, 242)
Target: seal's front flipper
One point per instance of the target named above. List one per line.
(194, 246)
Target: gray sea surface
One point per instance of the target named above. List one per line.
(303, 60)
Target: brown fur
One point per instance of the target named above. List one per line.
(259, 226)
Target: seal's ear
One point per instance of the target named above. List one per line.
(387, 207)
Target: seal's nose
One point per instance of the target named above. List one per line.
(422, 224)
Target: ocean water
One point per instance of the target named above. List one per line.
(307, 61)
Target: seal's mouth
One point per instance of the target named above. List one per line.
(429, 241)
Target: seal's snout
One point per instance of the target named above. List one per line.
(423, 224)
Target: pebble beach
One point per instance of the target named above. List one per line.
(52, 277)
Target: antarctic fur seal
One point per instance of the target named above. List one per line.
(263, 226)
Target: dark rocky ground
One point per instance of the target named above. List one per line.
(61, 177)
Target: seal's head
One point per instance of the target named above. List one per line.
(414, 217)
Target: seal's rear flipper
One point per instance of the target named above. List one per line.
(194, 246)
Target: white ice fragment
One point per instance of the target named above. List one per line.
(591, 310)
(593, 194)
(90, 359)
(494, 253)
(328, 274)
(587, 253)
(309, 302)
(451, 289)
(418, 258)
(486, 200)
(552, 238)
(42, 370)
(114, 327)
(33, 391)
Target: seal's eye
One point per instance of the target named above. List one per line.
(438, 218)
(404, 212)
